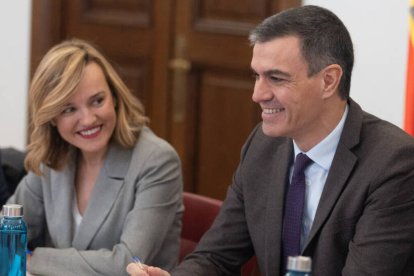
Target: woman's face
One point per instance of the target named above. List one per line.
(88, 118)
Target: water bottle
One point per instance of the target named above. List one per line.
(299, 266)
(13, 241)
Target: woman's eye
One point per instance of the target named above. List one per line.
(98, 101)
(68, 110)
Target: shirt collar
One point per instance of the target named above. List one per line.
(324, 152)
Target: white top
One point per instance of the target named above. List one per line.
(77, 217)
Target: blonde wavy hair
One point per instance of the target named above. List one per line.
(54, 83)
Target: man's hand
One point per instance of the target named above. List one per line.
(134, 269)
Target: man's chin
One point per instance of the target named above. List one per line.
(270, 130)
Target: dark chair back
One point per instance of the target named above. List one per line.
(199, 214)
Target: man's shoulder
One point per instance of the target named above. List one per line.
(380, 132)
(367, 131)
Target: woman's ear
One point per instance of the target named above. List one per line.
(332, 75)
(53, 123)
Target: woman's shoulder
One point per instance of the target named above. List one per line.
(150, 141)
(152, 149)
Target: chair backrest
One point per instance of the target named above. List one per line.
(199, 214)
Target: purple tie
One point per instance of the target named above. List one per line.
(295, 200)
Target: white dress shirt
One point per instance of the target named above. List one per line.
(315, 174)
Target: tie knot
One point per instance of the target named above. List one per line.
(301, 162)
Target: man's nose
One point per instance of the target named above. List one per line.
(261, 91)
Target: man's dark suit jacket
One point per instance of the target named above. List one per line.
(11, 172)
(4, 189)
(364, 224)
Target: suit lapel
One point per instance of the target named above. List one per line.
(107, 187)
(59, 209)
(341, 168)
(275, 199)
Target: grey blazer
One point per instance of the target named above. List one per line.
(364, 224)
(134, 210)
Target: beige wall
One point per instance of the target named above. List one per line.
(14, 71)
(379, 29)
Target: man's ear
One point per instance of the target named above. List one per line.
(331, 76)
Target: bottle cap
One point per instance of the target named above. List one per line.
(299, 263)
(13, 210)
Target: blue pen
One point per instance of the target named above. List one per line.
(138, 262)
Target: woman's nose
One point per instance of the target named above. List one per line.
(88, 116)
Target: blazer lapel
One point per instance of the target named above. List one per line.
(278, 178)
(59, 212)
(342, 166)
(107, 187)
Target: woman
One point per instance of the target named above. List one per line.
(101, 187)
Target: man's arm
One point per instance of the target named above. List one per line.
(383, 243)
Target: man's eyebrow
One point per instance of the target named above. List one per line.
(273, 72)
(277, 72)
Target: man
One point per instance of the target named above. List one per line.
(11, 172)
(358, 213)
(4, 189)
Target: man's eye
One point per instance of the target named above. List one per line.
(276, 79)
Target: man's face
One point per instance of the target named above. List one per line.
(291, 102)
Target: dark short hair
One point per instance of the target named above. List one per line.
(324, 39)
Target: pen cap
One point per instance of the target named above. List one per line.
(13, 210)
(299, 263)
